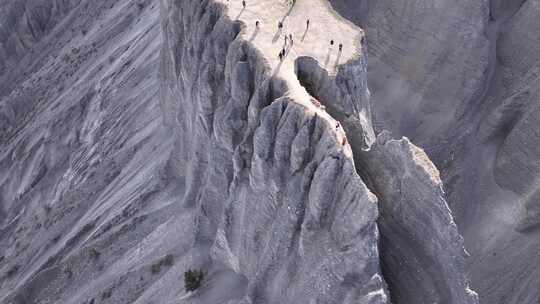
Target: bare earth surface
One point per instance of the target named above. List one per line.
(140, 139)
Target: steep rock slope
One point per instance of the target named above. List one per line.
(102, 192)
(428, 60)
(505, 266)
(422, 252)
(517, 114)
(116, 178)
(83, 186)
(424, 260)
(412, 270)
(281, 204)
(485, 143)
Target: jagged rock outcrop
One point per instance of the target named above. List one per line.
(348, 93)
(424, 260)
(281, 202)
(419, 238)
(300, 224)
(132, 152)
(505, 255)
(485, 53)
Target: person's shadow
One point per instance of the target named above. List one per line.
(255, 32)
(288, 13)
(305, 33)
(240, 14)
(327, 57)
(278, 67)
(276, 35)
(280, 30)
(336, 64)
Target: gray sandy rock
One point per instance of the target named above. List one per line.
(140, 139)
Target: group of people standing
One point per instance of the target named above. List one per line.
(282, 53)
(288, 38)
(290, 42)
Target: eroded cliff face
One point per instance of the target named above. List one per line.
(422, 250)
(423, 257)
(516, 117)
(481, 134)
(428, 60)
(24, 24)
(422, 253)
(280, 202)
(163, 137)
(83, 185)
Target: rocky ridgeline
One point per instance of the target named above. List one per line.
(280, 197)
(141, 139)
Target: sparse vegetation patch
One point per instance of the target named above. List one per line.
(193, 279)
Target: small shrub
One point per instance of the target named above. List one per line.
(94, 253)
(193, 279)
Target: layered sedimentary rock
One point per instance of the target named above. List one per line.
(517, 115)
(111, 191)
(428, 60)
(23, 25)
(83, 185)
(281, 203)
(484, 143)
(424, 260)
(141, 139)
(422, 253)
